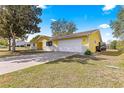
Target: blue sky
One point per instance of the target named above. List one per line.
(86, 17)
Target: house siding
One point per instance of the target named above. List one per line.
(55, 43)
(94, 40)
(84, 40)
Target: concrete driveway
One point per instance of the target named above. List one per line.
(10, 64)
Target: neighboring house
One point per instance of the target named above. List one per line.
(76, 42)
(22, 43)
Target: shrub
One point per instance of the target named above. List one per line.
(113, 44)
(3, 42)
(87, 52)
(120, 45)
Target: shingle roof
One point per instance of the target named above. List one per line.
(74, 35)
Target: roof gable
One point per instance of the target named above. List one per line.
(40, 38)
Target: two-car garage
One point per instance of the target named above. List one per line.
(71, 45)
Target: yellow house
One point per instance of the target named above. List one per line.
(76, 42)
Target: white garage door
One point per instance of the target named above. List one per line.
(73, 45)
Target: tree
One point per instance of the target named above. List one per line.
(62, 27)
(35, 38)
(71, 28)
(118, 25)
(120, 45)
(19, 21)
(4, 25)
(113, 44)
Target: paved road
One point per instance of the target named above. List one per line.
(10, 64)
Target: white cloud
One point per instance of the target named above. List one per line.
(53, 19)
(108, 7)
(104, 26)
(108, 34)
(42, 6)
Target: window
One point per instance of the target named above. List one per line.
(49, 43)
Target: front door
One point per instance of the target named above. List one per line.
(40, 45)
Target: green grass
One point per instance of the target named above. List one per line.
(111, 53)
(76, 71)
(121, 63)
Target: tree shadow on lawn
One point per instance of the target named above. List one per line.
(21, 52)
(77, 58)
(111, 53)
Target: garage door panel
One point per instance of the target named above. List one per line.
(73, 45)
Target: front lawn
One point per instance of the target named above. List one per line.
(19, 51)
(112, 53)
(75, 71)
